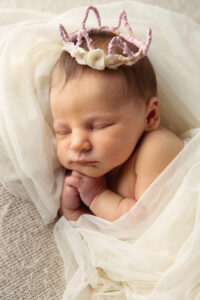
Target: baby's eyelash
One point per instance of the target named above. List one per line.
(63, 132)
(102, 125)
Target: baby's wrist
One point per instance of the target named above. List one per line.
(98, 195)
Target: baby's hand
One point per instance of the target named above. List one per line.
(88, 187)
(69, 199)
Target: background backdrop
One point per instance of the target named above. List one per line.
(190, 8)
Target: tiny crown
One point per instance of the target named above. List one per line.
(96, 58)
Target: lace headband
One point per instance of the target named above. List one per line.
(96, 58)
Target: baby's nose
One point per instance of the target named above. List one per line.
(80, 143)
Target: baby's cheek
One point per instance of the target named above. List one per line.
(113, 149)
(61, 153)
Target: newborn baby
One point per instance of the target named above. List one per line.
(108, 136)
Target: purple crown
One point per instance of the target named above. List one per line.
(96, 58)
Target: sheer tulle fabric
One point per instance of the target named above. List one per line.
(152, 252)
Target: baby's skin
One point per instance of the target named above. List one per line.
(113, 195)
(111, 144)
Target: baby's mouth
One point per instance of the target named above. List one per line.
(85, 162)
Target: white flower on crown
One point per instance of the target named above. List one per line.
(77, 52)
(96, 59)
(93, 58)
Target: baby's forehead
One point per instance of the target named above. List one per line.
(91, 91)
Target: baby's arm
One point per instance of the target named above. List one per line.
(101, 201)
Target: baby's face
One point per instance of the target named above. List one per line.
(96, 124)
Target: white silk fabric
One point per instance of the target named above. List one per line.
(152, 252)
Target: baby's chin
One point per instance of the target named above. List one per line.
(91, 171)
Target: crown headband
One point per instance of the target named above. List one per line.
(96, 58)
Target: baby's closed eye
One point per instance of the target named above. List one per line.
(102, 125)
(62, 130)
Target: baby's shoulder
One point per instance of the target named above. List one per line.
(161, 138)
(157, 149)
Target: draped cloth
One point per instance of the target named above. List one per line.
(151, 252)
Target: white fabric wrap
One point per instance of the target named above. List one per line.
(152, 252)
(28, 164)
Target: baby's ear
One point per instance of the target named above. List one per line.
(152, 114)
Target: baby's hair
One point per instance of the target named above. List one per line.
(140, 77)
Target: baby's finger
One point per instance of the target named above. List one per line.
(70, 198)
(72, 181)
(77, 174)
